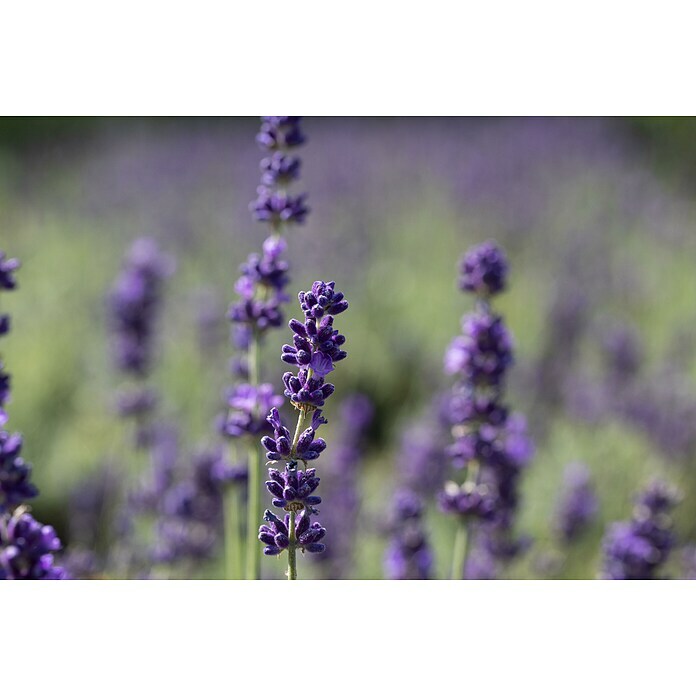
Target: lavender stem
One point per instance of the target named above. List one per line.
(253, 557)
(234, 553)
(292, 549)
(461, 551)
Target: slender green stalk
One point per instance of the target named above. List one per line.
(292, 549)
(461, 549)
(234, 550)
(253, 551)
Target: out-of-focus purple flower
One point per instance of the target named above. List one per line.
(280, 132)
(484, 270)
(483, 353)
(277, 208)
(275, 534)
(5, 393)
(637, 549)
(408, 556)
(7, 270)
(15, 474)
(490, 445)
(4, 324)
(623, 353)
(279, 169)
(247, 405)
(471, 500)
(27, 548)
(134, 304)
(578, 504)
(136, 402)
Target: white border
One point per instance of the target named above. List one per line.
(334, 638)
(316, 57)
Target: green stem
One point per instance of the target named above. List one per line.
(461, 549)
(461, 540)
(292, 549)
(253, 551)
(234, 555)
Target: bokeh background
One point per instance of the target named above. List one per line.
(596, 217)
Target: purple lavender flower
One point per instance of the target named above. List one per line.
(27, 548)
(7, 270)
(623, 353)
(279, 169)
(280, 132)
(276, 536)
(484, 270)
(277, 208)
(5, 392)
(490, 445)
(408, 556)
(476, 501)
(307, 448)
(294, 487)
(637, 549)
(316, 349)
(15, 474)
(578, 503)
(134, 305)
(246, 405)
(483, 353)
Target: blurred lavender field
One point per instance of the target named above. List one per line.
(601, 243)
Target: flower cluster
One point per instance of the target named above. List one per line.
(578, 504)
(27, 548)
(278, 136)
(185, 502)
(408, 556)
(637, 549)
(261, 286)
(276, 534)
(134, 304)
(484, 270)
(15, 474)
(316, 348)
(246, 404)
(490, 444)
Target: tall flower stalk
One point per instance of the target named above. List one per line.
(490, 447)
(317, 346)
(26, 545)
(261, 291)
(638, 549)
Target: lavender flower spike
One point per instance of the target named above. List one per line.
(578, 504)
(637, 549)
(27, 548)
(490, 445)
(316, 349)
